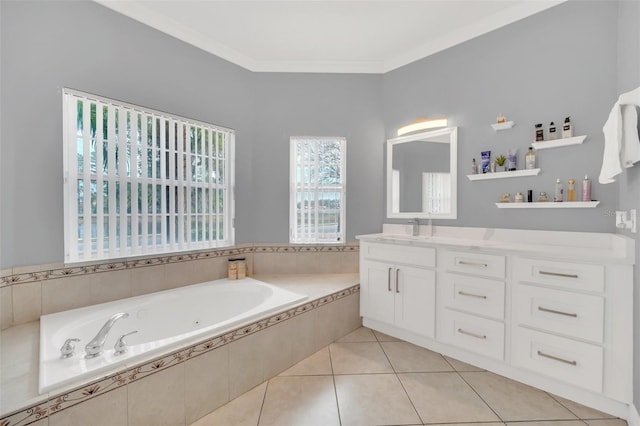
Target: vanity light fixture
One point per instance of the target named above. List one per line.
(422, 124)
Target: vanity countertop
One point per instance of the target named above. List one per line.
(602, 247)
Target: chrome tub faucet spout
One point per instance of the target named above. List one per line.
(94, 347)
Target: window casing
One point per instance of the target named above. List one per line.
(317, 190)
(142, 182)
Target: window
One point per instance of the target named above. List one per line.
(139, 181)
(317, 195)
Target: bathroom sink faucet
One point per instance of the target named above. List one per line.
(415, 231)
(94, 347)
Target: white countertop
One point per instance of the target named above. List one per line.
(603, 247)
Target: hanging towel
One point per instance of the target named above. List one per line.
(621, 142)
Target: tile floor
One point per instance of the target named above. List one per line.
(368, 378)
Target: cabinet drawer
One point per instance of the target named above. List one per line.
(572, 276)
(577, 363)
(573, 314)
(486, 265)
(475, 334)
(475, 295)
(394, 253)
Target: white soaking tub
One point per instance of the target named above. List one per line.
(165, 321)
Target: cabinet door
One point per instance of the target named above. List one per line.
(415, 294)
(377, 291)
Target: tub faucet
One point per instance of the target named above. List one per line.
(94, 347)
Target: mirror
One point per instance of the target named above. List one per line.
(422, 175)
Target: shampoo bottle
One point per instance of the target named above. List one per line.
(474, 167)
(552, 131)
(559, 193)
(539, 132)
(586, 189)
(530, 159)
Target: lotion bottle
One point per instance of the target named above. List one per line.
(567, 128)
(559, 193)
(552, 131)
(530, 159)
(586, 189)
(474, 167)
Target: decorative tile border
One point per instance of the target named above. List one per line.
(29, 277)
(59, 402)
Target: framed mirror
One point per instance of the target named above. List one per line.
(422, 175)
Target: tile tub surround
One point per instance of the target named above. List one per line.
(298, 331)
(405, 384)
(26, 293)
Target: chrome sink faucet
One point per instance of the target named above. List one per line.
(415, 231)
(94, 347)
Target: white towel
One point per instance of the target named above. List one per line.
(621, 142)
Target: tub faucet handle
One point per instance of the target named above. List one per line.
(67, 349)
(121, 346)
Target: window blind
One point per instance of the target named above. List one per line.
(317, 194)
(139, 181)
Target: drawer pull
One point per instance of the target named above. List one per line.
(479, 296)
(555, 358)
(397, 273)
(558, 274)
(466, 263)
(389, 279)
(468, 333)
(553, 311)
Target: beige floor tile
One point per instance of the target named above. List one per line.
(445, 398)
(606, 422)
(300, 400)
(361, 334)
(242, 411)
(582, 411)
(358, 358)
(373, 399)
(408, 358)
(385, 337)
(549, 423)
(461, 366)
(514, 401)
(317, 364)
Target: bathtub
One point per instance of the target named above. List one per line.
(165, 321)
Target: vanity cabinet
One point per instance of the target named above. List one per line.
(397, 286)
(555, 312)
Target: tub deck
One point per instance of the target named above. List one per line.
(19, 345)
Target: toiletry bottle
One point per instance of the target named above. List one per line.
(530, 159)
(543, 197)
(586, 189)
(474, 167)
(571, 190)
(552, 131)
(567, 128)
(539, 132)
(519, 197)
(530, 196)
(500, 119)
(558, 197)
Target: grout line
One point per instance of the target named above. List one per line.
(335, 389)
(480, 396)
(264, 397)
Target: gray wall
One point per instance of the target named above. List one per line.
(629, 79)
(559, 62)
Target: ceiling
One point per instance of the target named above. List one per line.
(339, 36)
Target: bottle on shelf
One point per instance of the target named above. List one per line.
(543, 197)
(571, 190)
(567, 128)
(519, 197)
(539, 132)
(530, 159)
(474, 167)
(586, 189)
(552, 132)
(558, 197)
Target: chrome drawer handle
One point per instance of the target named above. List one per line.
(468, 333)
(479, 296)
(464, 262)
(555, 358)
(397, 273)
(553, 311)
(558, 274)
(389, 279)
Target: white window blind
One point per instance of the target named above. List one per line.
(436, 193)
(139, 181)
(317, 194)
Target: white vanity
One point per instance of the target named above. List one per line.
(550, 309)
